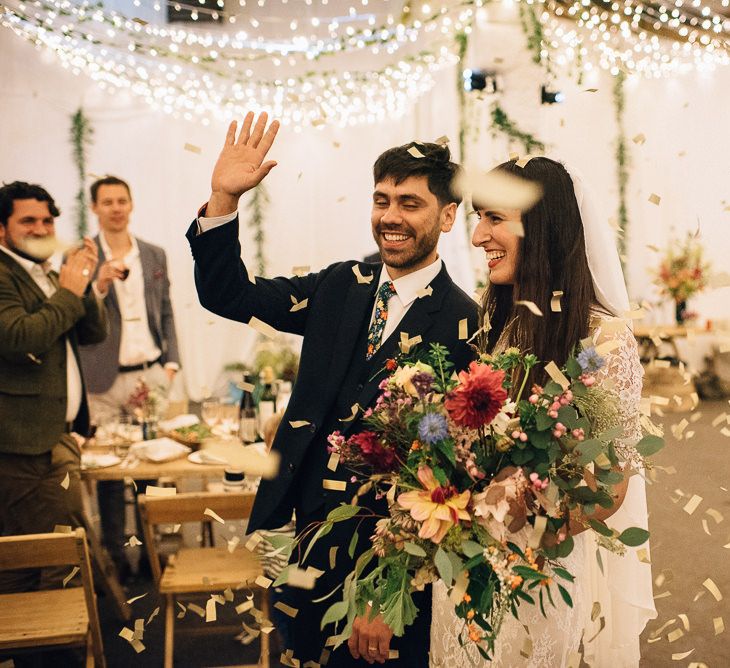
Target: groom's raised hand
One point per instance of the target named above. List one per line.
(370, 639)
(240, 166)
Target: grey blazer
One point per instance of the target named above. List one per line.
(101, 362)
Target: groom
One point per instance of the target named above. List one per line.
(353, 316)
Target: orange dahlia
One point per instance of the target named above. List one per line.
(478, 397)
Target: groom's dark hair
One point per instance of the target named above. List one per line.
(552, 257)
(420, 159)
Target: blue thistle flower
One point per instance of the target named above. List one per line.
(433, 428)
(590, 361)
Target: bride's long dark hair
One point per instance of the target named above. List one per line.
(552, 257)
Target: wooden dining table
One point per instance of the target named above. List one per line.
(231, 450)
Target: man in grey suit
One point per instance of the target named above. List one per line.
(132, 279)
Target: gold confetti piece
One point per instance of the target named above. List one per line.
(415, 152)
(406, 342)
(233, 544)
(139, 628)
(463, 329)
(607, 346)
(595, 611)
(683, 655)
(334, 461)
(393, 654)
(675, 635)
(591, 90)
(333, 556)
(538, 530)
(296, 424)
(151, 490)
(286, 609)
(263, 582)
(244, 607)
(311, 664)
(133, 542)
(725, 431)
(334, 485)
(658, 632)
(136, 598)
(712, 588)
(498, 189)
(685, 621)
(715, 515)
(659, 401)
(355, 408)
(692, 504)
(262, 328)
(214, 515)
(71, 575)
(154, 614)
(555, 306)
(706, 528)
(425, 292)
(557, 375)
(193, 148)
(62, 528)
(665, 594)
(127, 634)
(300, 270)
(66, 481)
(210, 612)
(301, 578)
(531, 306)
(526, 651)
(522, 162)
(639, 139)
(443, 140)
(643, 555)
(655, 199)
(516, 227)
(196, 609)
(661, 364)
(141, 22)
(359, 276)
(253, 541)
(298, 306)
(719, 625)
(176, 528)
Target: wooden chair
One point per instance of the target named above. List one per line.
(55, 618)
(200, 569)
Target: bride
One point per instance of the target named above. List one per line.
(567, 246)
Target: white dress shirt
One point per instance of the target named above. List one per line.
(39, 274)
(407, 287)
(136, 345)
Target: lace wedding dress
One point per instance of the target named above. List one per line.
(618, 596)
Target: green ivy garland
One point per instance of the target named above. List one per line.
(81, 132)
(622, 158)
(256, 206)
(462, 42)
(501, 122)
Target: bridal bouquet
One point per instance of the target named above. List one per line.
(482, 480)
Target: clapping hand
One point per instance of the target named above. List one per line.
(111, 270)
(78, 268)
(240, 166)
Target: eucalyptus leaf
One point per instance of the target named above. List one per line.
(322, 531)
(601, 528)
(334, 613)
(471, 549)
(343, 512)
(283, 576)
(573, 368)
(562, 573)
(443, 565)
(588, 451)
(566, 596)
(552, 388)
(353, 544)
(649, 445)
(414, 549)
(634, 536)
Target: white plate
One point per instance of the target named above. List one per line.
(159, 450)
(202, 457)
(93, 460)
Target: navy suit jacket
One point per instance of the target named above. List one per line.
(336, 307)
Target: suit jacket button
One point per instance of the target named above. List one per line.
(291, 467)
(360, 387)
(313, 427)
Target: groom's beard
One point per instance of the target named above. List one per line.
(35, 249)
(421, 247)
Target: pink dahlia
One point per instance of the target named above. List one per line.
(478, 397)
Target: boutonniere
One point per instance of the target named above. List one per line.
(158, 273)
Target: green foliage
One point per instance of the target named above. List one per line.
(622, 171)
(649, 445)
(256, 208)
(81, 132)
(501, 122)
(634, 536)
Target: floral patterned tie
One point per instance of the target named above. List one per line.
(375, 333)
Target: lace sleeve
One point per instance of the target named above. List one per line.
(621, 374)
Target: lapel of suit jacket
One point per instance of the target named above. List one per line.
(147, 260)
(417, 321)
(356, 311)
(22, 274)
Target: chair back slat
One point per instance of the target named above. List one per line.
(190, 507)
(41, 550)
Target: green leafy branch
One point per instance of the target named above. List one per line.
(501, 122)
(81, 132)
(256, 207)
(622, 171)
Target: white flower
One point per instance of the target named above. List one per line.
(403, 376)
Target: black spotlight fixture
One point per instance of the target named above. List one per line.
(479, 79)
(551, 96)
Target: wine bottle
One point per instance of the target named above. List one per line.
(267, 400)
(247, 412)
